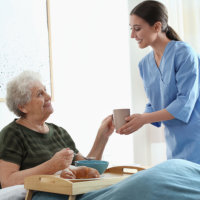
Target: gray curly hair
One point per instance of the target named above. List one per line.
(19, 90)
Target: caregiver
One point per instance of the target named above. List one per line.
(170, 74)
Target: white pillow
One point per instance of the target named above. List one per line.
(16, 192)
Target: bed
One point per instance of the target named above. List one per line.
(174, 179)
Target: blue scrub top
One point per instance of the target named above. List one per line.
(174, 86)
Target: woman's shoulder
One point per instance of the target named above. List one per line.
(179, 44)
(10, 131)
(183, 51)
(10, 127)
(182, 47)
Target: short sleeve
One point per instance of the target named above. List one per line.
(187, 81)
(11, 147)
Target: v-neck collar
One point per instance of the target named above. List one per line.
(160, 67)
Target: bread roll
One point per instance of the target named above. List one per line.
(81, 172)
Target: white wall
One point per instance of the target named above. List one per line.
(149, 144)
(5, 115)
(91, 70)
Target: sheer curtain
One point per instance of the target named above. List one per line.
(149, 143)
(184, 18)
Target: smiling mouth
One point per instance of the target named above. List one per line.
(139, 41)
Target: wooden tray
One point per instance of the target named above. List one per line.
(55, 184)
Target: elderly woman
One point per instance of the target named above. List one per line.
(29, 145)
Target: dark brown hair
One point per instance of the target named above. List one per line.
(152, 12)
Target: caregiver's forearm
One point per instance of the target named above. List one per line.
(161, 115)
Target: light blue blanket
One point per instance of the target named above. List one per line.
(171, 180)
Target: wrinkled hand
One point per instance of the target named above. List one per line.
(81, 172)
(134, 122)
(67, 173)
(62, 159)
(107, 126)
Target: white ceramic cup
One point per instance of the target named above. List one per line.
(119, 116)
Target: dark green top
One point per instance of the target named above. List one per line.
(28, 148)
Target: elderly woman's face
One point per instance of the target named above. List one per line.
(40, 104)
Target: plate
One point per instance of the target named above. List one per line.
(85, 179)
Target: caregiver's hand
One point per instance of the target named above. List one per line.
(134, 122)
